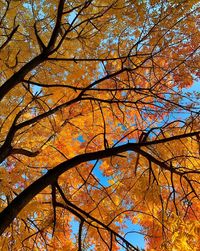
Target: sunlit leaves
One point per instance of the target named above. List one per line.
(84, 76)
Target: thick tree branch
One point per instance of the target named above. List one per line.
(24, 152)
(13, 209)
(19, 76)
(56, 29)
(9, 37)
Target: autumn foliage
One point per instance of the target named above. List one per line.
(99, 125)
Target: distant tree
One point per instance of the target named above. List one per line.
(99, 124)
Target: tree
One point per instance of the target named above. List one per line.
(99, 124)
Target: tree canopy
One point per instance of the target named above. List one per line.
(99, 124)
